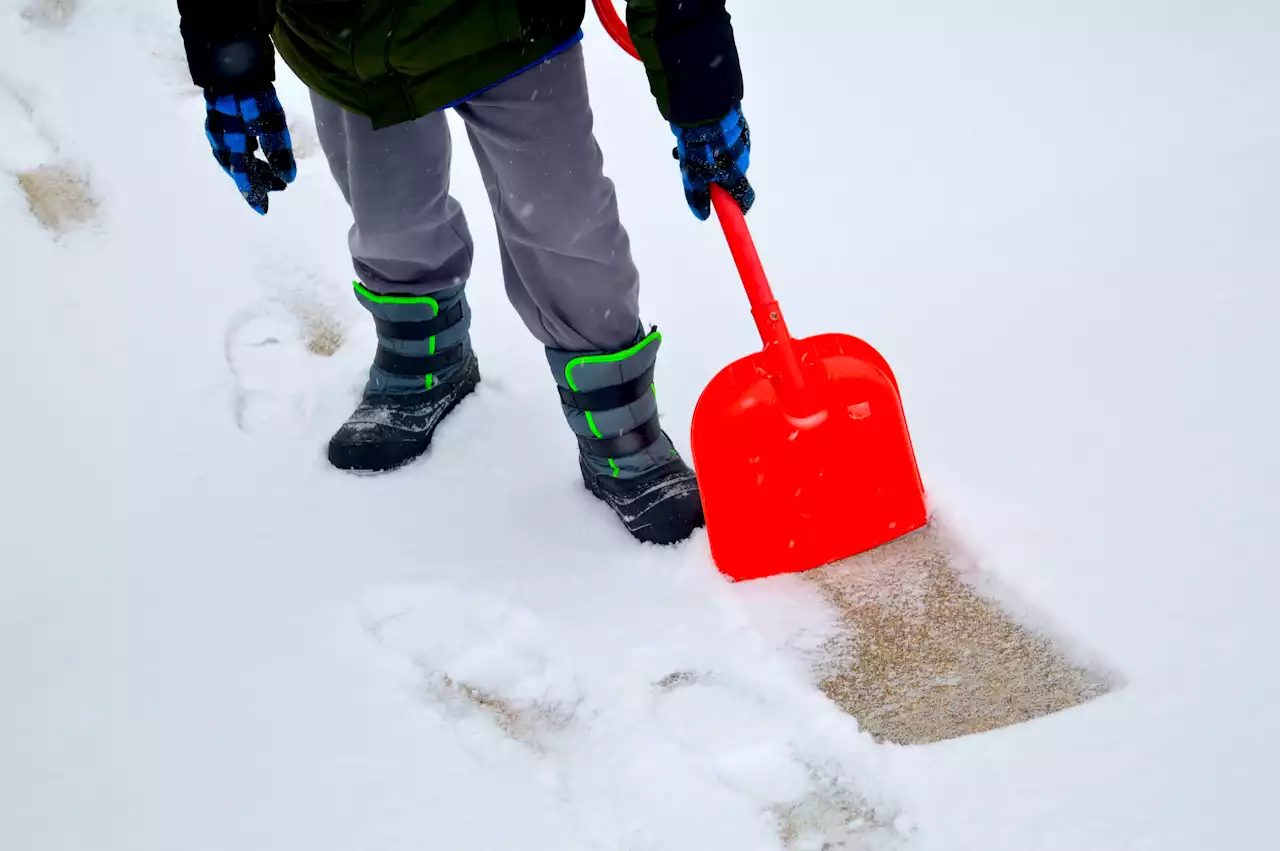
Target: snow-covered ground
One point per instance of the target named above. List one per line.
(1059, 221)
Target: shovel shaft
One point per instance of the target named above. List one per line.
(614, 26)
(764, 306)
(744, 252)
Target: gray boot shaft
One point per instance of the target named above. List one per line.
(610, 402)
(422, 340)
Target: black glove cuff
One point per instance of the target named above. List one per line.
(699, 57)
(236, 66)
(707, 97)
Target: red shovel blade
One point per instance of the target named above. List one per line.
(785, 494)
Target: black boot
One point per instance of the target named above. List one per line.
(423, 368)
(625, 458)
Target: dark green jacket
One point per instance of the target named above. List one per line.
(396, 60)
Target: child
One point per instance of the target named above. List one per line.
(381, 74)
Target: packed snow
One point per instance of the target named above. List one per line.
(1059, 222)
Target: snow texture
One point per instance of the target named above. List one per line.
(1059, 223)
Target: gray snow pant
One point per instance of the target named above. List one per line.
(566, 258)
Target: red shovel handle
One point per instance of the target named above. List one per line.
(764, 307)
(614, 26)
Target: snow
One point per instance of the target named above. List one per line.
(1058, 222)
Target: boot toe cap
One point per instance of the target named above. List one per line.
(373, 448)
(674, 521)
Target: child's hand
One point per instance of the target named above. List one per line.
(715, 153)
(237, 126)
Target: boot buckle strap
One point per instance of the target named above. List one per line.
(613, 396)
(394, 363)
(628, 443)
(424, 330)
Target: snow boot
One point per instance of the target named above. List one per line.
(423, 368)
(625, 457)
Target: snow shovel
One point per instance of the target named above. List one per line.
(801, 450)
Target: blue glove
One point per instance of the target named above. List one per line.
(715, 153)
(237, 126)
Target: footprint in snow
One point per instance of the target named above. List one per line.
(58, 192)
(484, 663)
(59, 197)
(692, 758)
(750, 746)
(478, 658)
(270, 350)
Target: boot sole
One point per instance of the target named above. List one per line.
(644, 536)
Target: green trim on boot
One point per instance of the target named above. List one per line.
(622, 440)
(395, 299)
(608, 358)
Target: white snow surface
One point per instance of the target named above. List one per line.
(1060, 222)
